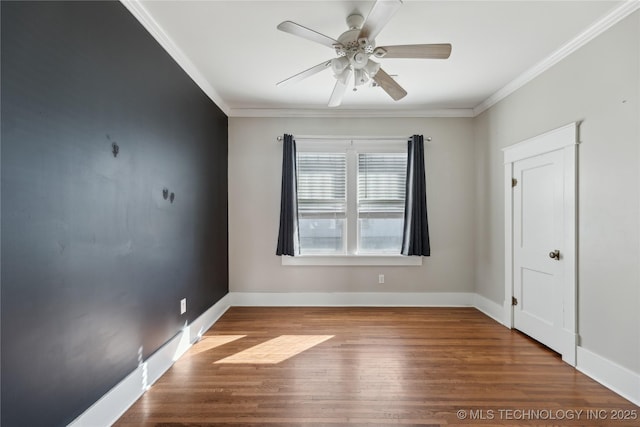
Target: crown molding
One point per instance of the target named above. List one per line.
(153, 27)
(136, 8)
(348, 113)
(609, 20)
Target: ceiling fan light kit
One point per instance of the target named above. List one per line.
(354, 48)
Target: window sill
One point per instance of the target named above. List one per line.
(373, 260)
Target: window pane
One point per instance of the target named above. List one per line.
(322, 202)
(381, 192)
(321, 235)
(380, 235)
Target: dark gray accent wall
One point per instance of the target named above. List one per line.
(94, 259)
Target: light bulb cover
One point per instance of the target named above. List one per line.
(371, 68)
(344, 76)
(338, 65)
(359, 59)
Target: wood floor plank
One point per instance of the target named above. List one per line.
(381, 367)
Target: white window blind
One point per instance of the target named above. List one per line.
(381, 184)
(322, 184)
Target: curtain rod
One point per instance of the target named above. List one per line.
(356, 138)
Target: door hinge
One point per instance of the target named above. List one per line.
(514, 301)
(514, 182)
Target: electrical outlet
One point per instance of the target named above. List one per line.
(380, 278)
(183, 306)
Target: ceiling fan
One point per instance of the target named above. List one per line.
(354, 48)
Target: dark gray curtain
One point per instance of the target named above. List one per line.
(288, 235)
(415, 240)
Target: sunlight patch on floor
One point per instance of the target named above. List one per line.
(277, 349)
(212, 341)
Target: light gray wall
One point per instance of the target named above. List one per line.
(598, 85)
(255, 162)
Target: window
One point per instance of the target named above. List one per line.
(322, 202)
(351, 197)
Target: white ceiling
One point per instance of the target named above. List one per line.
(234, 48)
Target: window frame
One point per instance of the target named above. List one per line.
(352, 147)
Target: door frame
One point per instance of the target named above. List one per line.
(565, 138)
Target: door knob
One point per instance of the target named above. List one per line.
(555, 255)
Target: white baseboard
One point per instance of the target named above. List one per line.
(611, 375)
(351, 299)
(106, 410)
(490, 308)
(205, 321)
(116, 401)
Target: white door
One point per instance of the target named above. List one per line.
(538, 233)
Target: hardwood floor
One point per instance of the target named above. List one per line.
(382, 366)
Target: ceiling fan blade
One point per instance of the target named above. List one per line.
(380, 14)
(386, 82)
(306, 73)
(306, 33)
(339, 89)
(425, 51)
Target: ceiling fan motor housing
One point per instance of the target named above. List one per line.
(354, 53)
